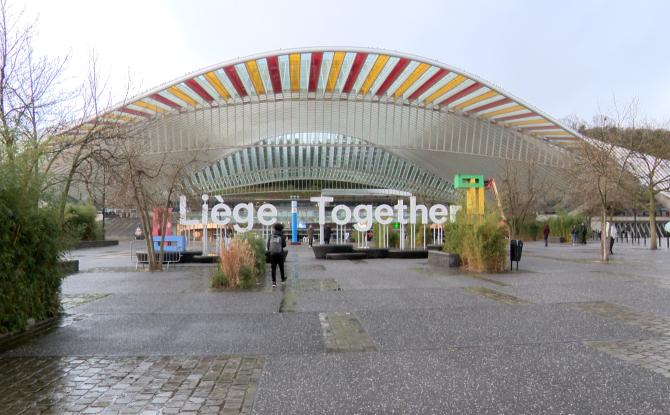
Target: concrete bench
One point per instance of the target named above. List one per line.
(346, 255)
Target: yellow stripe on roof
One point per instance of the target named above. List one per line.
(255, 75)
(513, 108)
(374, 73)
(294, 62)
(338, 58)
(117, 117)
(476, 99)
(216, 84)
(411, 79)
(459, 79)
(553, 133)
(182, 95)
(149, 106)
(527, 122)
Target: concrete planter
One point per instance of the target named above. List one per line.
(373, 252)
(408, 254)
(320, 251)
(444, 259)
(434, 247)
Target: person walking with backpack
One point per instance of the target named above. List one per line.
(275, 246)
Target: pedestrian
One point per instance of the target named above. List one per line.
(546, 234)
(575, 234)
(612, 234)
(138, 233)
(275, 246)
(326, 234)
(583, 233)
(310, 234)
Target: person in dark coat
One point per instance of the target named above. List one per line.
(326, 234)
(545, 232)
(583, 233)
(575, 234)
(275, 246)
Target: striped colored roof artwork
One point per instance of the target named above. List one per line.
(352, 73)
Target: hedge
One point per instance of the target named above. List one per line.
(30, 248)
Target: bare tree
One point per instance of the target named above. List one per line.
(600, 175)
(649, 163)
(524, 189)
(32, 100)
(149, 181)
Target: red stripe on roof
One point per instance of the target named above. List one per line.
(472, 88)
(516, 117)
(491, 105)
(165, 101)
(430, 82)
(314, 70)
(234, 78)
(393, 75)
(134, 112)
(355, 70)
(273, 67)
(199, 90)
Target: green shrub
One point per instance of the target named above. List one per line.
(480, 242)
(242, 263)
(394, 236)
(30, 248)
(561, 225)
(80, 222)
(529, 231)
(257, 245)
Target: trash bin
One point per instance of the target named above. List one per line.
(515, 249)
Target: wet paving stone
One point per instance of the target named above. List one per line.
(627, 315)
(295, 286)
(69, 301)
(496, 296)
(325, 284)
(652, 353)
(343, 332)
(120, 385)
(311, 267)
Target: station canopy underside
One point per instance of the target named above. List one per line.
(369, 117)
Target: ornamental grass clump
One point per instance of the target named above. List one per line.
(480, 242)
(241, 263)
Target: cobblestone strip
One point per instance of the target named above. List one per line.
(342, 332)
(316, 284)
(652, 353)
(627, 315)
(496, 296)
(120, 385)
(289, 301)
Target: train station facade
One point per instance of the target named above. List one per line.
(360, 125)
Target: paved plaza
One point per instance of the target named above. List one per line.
(563, 335)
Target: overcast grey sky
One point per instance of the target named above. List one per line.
(565, 57)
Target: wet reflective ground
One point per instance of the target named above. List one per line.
(564, 334)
